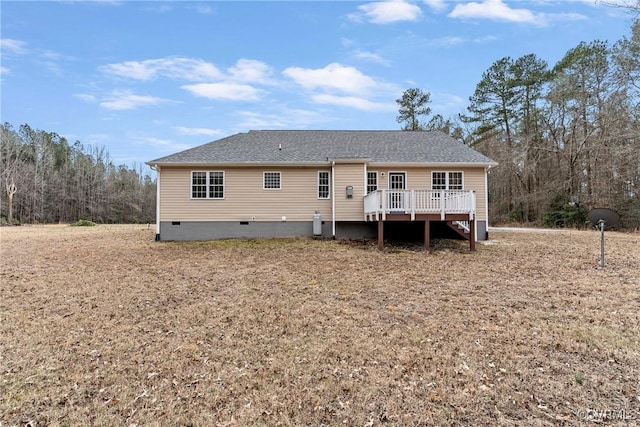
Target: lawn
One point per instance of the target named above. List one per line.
(103, 326)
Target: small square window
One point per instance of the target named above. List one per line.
(271, 180)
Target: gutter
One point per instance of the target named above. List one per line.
(433, 164)
(239, 164)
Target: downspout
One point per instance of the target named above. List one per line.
(486, 203)
(157, 169)
(333, 199)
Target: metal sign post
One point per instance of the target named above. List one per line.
(603, 218)
(601, 226)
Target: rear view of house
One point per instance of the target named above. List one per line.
(274, 183)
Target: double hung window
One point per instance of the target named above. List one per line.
(323, 185)
(372, 182)
(207, 185)
(446, 181)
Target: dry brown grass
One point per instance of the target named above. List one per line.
(104, 326)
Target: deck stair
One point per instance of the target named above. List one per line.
(460, 227)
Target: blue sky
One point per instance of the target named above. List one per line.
(147, 79)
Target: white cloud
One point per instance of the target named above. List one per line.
(175, 68)
(353, 102)
(53, 62)
(332, 77)
(371, 57)
(203, 9)
(167, 145)
(125, 100)
(86, 97)
(436, 5)
(448, 102)
(196, 131)
(347, 43)
(158, 7)
(448, 41)
(189, 69)
(495, 10)
(14, 46)
(250, 70)
(153, 141)
(498, 10)
(224, 91)
(208, 81)
(282, 119)
(4, 70)
(387, 12)
(485, 39)
(346, 86)
(43, 58)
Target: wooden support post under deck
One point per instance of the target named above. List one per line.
(427, 235)
(472, 235)
(380, 234)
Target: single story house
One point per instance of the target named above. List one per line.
(332, 183)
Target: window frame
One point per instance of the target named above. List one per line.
(264, 180)
(447, 181)
(327, 185)
(216, 187)
(369, 185)
(207, 188)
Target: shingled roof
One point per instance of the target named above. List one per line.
(322, 146)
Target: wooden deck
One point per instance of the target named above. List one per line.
(455, 207)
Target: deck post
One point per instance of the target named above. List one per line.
(380, 235)
(413, 205)
(427, 235)
(472, 235)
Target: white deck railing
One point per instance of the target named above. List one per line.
(382, 202)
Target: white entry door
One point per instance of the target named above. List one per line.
(397, 185)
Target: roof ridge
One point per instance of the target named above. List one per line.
(309, 146)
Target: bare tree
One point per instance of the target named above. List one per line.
(11, 160)
(47, 180)
(633, 6)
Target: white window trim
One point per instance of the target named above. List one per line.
(328, 186)
(207, 184)
(264, 175)
(446, 179)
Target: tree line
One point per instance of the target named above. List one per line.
(47, 180)
(566, 137)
